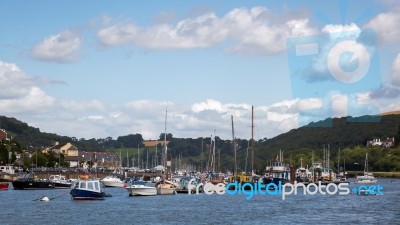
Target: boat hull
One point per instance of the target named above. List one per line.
(165, 189)
(61, 185)
(31, 185)
(87, 195)
(141, 191)
(113, 184)
(4, 185)
(366, 181)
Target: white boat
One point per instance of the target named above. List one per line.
(367, 178)
(112, 181)
(278, 171)
(60, 181)
(139, 188)
(303, 174)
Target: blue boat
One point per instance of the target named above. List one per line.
(88, 190)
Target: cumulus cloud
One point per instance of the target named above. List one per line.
(21, 92)
(386, 26)
(255, 31)
(396, 71)
(63, 48)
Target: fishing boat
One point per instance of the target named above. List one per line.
(140, 188)
(88, 190)
(60, 181)
(28, 181)
(303, 174)
(4, 185)
(278, 171)
(164, 187)
(367, 178)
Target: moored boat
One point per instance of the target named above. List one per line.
(28, 181)
(113, 181)
(88, 190)
(4, 185)
(165, 189)
(60, 181)
(140, 188)
(367, 178)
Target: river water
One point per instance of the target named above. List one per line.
(20, 207)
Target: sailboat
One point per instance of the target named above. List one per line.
(367, 178)
(164, 187)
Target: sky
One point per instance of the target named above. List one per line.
(98, 69)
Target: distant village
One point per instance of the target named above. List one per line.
(111, 160)
(76, 158)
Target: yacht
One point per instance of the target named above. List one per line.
(367, 178)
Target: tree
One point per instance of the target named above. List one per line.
(42, 160)
(169, 136)
(3, 154)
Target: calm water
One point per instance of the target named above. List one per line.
(18, 207)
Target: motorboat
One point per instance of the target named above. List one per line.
(140, 188)
(88, 190)
(60, 181)
(28, 181)
(112, 181)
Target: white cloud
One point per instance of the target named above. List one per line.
(14, 83)
(63, 48)
(396, 71)
(255, 31)
(386, 26)
(35, 100)
(335, 28)
(21, 92)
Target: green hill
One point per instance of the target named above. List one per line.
(342, 133)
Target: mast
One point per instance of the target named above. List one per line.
(366, 164)
(165, 146)
(339, 161)
(213, 156)
(234, 147)
(147, 159)
(127, 159)
(252, 139)
(138, 156)
(156, 156)
(201, 158)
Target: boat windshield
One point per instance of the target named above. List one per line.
(96, 186)
(82, 185)
(90, 186)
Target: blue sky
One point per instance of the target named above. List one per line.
(98, 69)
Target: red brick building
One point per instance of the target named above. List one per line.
(3, 135)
